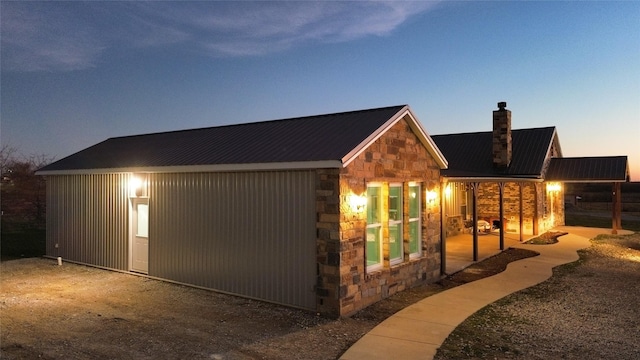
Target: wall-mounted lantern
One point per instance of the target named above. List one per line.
(357, 203)
(553, 187)
(138, 185)
(431, 196)
(447, 190)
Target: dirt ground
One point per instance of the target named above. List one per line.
(78, 312)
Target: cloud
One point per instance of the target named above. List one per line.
(66, 36)
(33, 40)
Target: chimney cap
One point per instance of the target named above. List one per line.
(502, 105)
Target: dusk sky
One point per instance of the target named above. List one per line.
(76, 73)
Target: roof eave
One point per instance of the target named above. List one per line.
(491, 179)
(298, 165)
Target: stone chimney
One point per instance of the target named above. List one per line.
(502, 136)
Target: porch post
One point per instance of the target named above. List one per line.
(616, 208)
(535, 208)
(520, 185)
(501, 186)
(474, 206)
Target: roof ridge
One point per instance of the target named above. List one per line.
(490, 131)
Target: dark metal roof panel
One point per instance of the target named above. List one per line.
(471, 155)
(588, 169)
(312, 138)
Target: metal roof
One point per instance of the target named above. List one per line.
(329, 137)
(589, 169)
(470, 155)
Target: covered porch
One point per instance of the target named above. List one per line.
(459, 254)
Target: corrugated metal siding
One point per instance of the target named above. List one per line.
(87, 218)
(248, 233)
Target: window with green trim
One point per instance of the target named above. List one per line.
(374, 226)
(395, 223)
(415, 227)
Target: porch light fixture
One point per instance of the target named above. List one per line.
(553, 187)
(447, 190)
(137, 186)
(431, 196)
(357, 203)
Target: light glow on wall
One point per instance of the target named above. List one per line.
(447, 190)
(137, 185)
(431, 196)
(357, 203)
(553, 187)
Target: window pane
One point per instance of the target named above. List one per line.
(395, 203)
(374, 226)
(142, 228)
(414, 201)
(395, 223)
(414, 237)
(414, 219)
(395, 241)
(373, 205)
(373, 246)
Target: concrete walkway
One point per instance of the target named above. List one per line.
(417, 331)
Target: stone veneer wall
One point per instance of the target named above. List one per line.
(455, 225)
(536, 208)
(344, 286)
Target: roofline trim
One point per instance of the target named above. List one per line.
(491, 179)
(585, 181)
(423, 136)
(297, 165)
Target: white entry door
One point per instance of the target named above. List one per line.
(139, 240)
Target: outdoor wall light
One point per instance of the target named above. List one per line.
(137, 186)
(554, 187)
(447, 190)
(431, 196)
(357, 202)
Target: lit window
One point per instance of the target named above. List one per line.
(415, 233)
(374, 227)
(395, 223)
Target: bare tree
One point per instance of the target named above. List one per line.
(7, 155)
(23, 193)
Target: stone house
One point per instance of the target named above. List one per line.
(328, 213)
(513, 180)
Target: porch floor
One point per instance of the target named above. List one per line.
(459, 248)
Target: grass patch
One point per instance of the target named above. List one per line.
(477, 337)
(576, 219)
(23, 244)
(550, 237)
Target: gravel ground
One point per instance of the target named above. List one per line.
(78, 312)
(587, 310)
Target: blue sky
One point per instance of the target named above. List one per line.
(76, 73)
